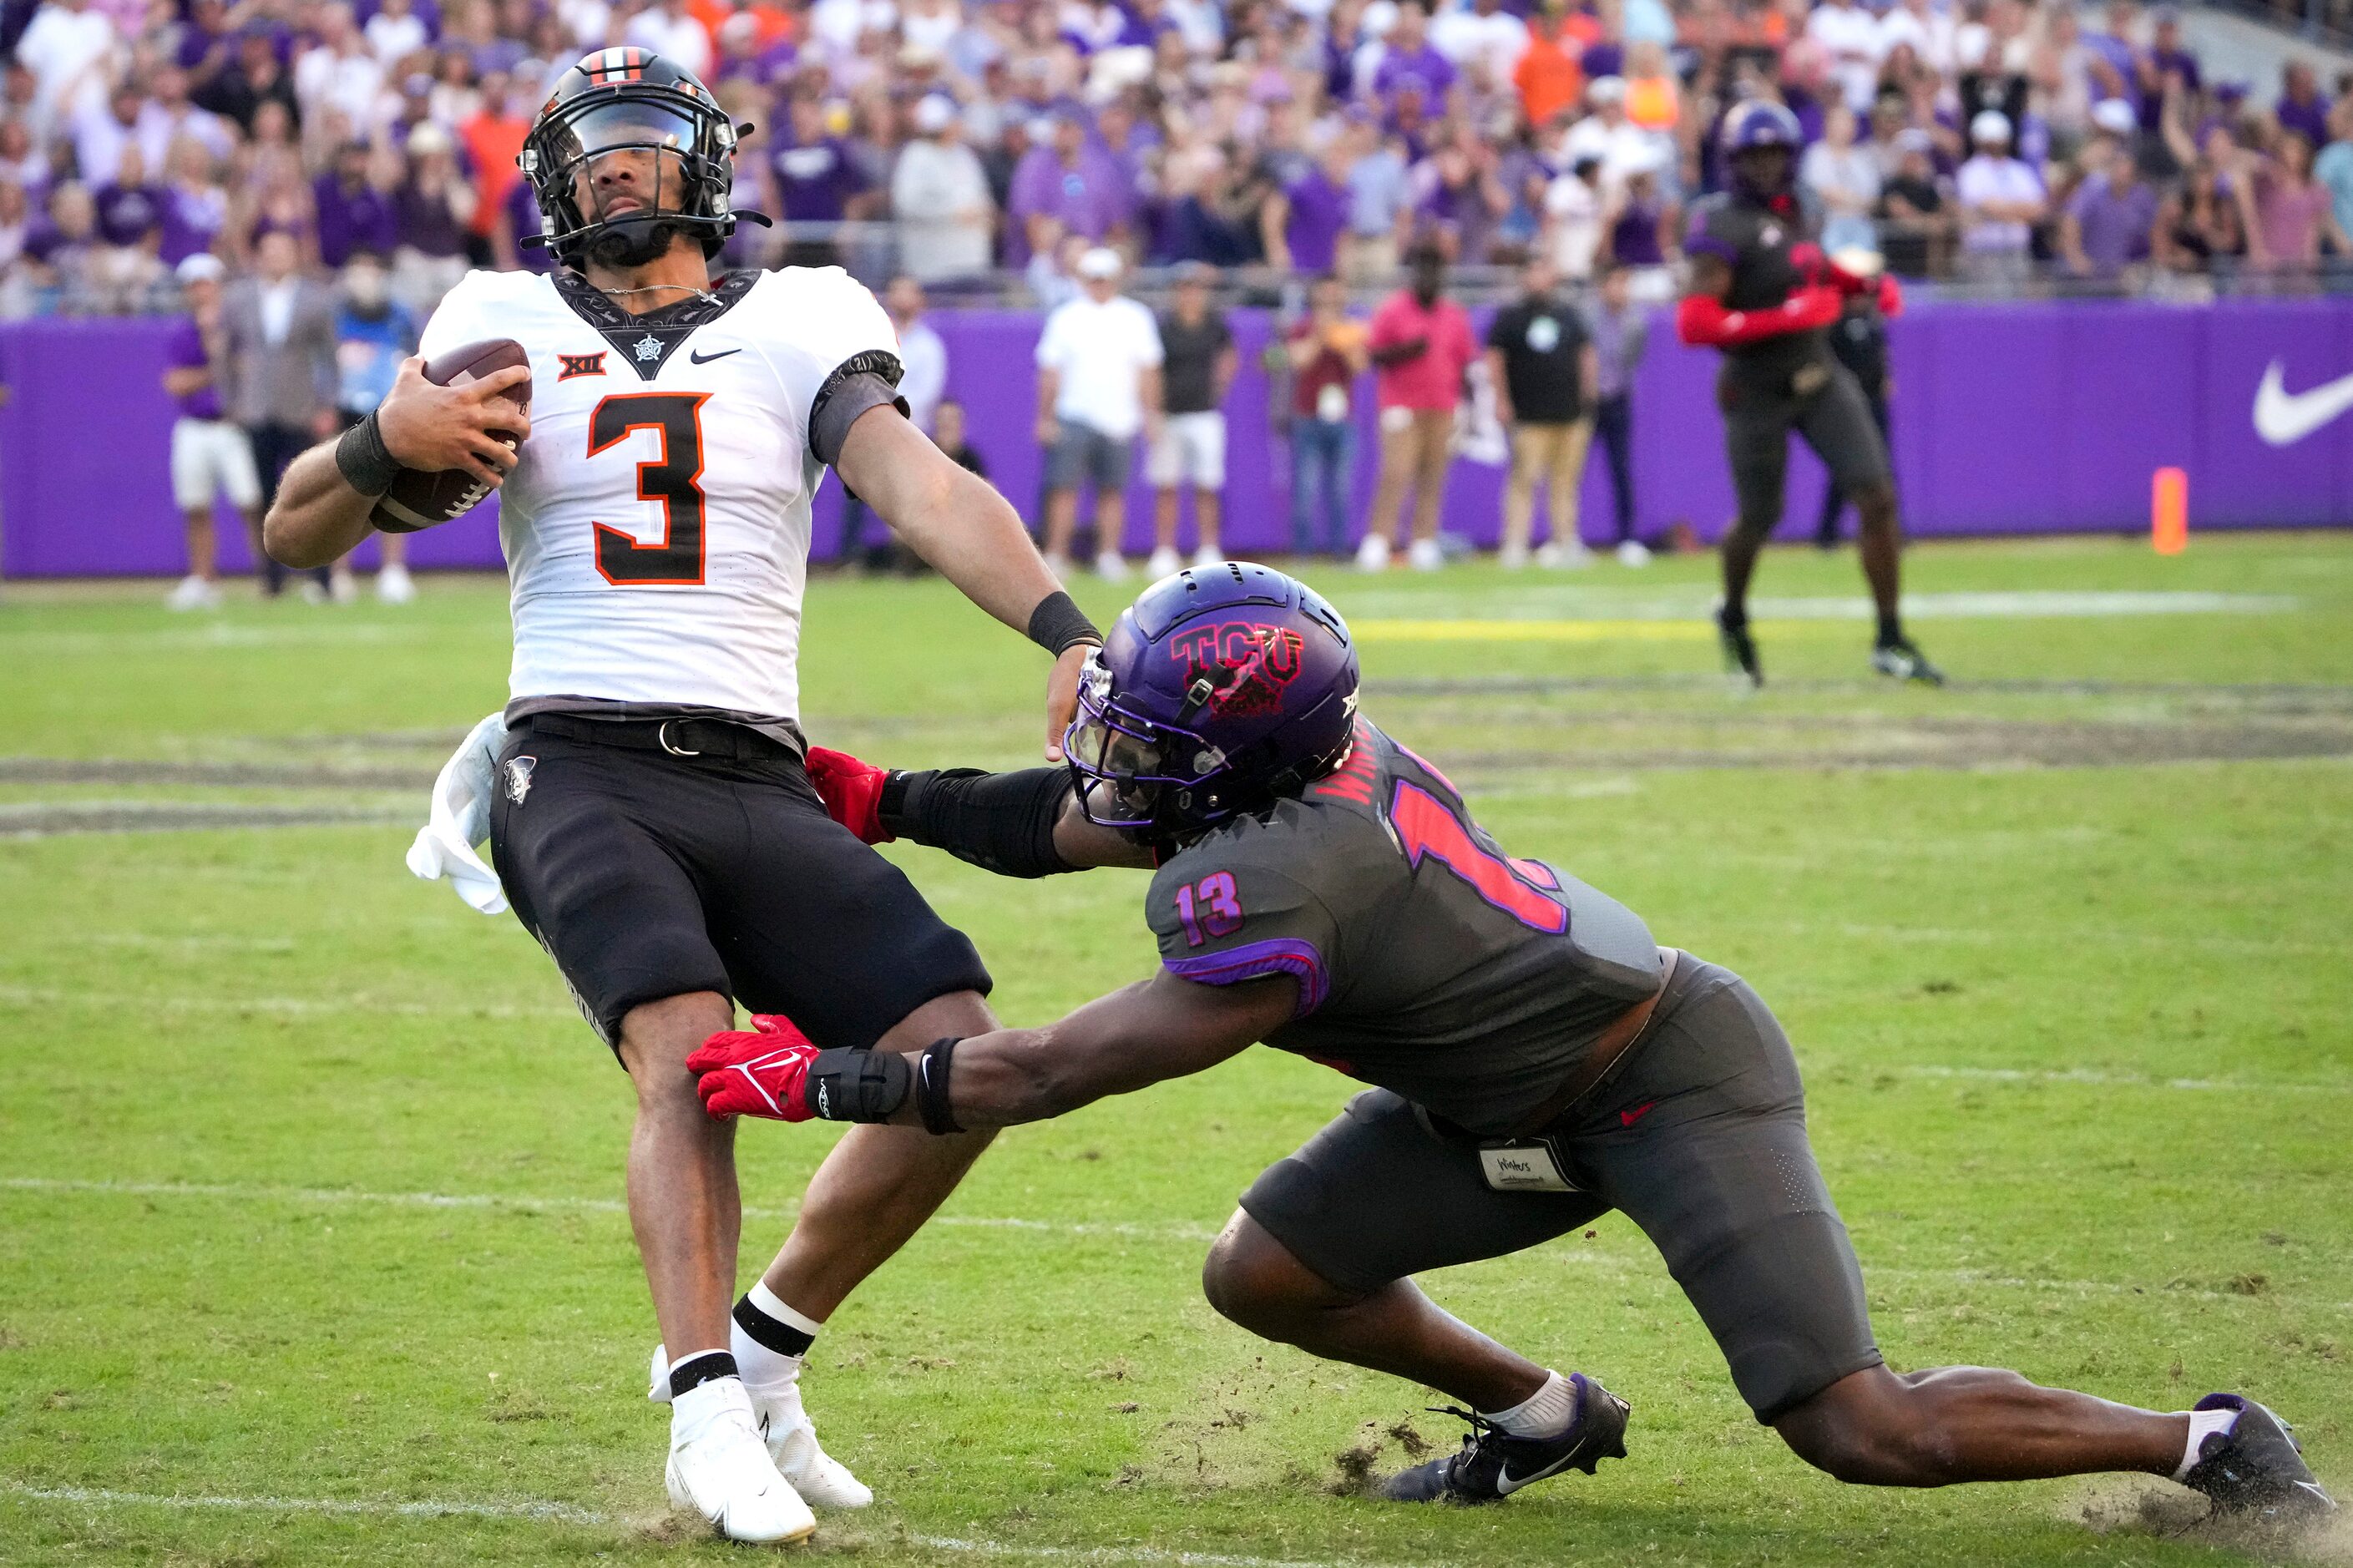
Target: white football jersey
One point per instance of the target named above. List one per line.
(656, 530)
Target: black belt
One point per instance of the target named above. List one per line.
(678, 737)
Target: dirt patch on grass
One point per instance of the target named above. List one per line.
(2119, 1507)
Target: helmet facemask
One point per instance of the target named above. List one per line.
(674, 150)
(1137, 774)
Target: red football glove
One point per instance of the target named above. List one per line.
(760, 1071)
(853, 791)
(1891, 296)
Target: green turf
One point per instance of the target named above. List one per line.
(2075, 1037)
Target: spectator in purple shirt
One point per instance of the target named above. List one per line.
(1303, 221)
(130, 210)
(817, 179)
(211, 457)
(1408, 59)
(1069, 182)
(2108, 223)
(354, 215)
(2301, 108)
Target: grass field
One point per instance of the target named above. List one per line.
(310, 1242)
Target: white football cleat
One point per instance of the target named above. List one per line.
(1633, 552)
(784, 1425)
(1165, 562)
(1372, 554)
(1424, 555)
(193, 593)
(1571, 555)
(822, 1481)
(1207, 557)
(393, 586)
(1112, 566)
(719, 1469)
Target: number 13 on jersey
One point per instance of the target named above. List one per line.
(674, 477)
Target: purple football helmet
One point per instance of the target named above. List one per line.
(1753, 124)
(1218, 690)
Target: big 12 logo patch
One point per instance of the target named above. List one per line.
(1258, 662)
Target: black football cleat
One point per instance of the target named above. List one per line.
(1493, 1464)
(1901, 660)
(2257, 1469)
(1739, 650)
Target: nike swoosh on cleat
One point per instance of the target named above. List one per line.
(1628, 1118)
(2284, 417)
(1505, 1485)
(699, 357)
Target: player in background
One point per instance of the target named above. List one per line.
(1763, 293)
(1539, 1060)
(653, 827)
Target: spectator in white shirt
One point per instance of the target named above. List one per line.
(672, 32)
(940, 196)
(1930, 31)
(66, 46)
(2002, 199)
(1097, 387)
(1480, 30)
(340, 71)
(101, 135)
(1572, 220)
(1616, 143)
(1844, 178)
(395, 31)
(1850, 36)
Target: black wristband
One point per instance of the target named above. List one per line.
(1058, 624)
(367, 463)
(931, 1101)
(849, 1085)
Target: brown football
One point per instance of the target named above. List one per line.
(418, 499)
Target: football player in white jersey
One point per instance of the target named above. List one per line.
(654, 827)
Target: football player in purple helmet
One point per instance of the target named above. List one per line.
(1536, 1058)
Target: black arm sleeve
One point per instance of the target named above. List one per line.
(1000, 822)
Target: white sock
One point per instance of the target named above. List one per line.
(1546, 1412)
(764, 1367)
(2201, 1424)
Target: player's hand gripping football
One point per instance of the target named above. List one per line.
(434, 428)
(760, 1071)
(852, 793)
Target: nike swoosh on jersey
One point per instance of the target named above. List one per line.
(699, 357)
(2284, 417)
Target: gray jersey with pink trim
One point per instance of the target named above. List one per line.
(1429, 961)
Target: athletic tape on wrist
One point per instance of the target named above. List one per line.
(931, 1101)
(1058, 624)
(367, 464)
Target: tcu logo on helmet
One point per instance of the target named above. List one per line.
(1262, 660)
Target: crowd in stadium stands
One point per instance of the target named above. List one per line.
(950, 139)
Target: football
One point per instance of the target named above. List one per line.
(418, 499)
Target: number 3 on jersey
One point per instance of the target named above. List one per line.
(673, 478)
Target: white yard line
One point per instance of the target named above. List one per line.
(568, 1513)
(250, 1193)
(1164, 1230)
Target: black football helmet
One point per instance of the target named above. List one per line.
(621, 99)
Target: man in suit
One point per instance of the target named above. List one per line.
(282, 356)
